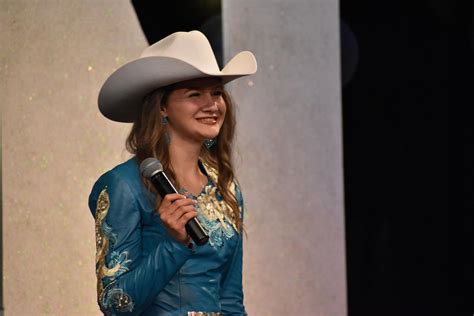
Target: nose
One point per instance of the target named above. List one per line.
(210, 102)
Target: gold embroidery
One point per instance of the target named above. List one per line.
(213, 208)
(102, 241)
(107, 293)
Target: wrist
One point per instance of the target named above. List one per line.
(188, 241)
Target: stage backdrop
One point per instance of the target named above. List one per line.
(54, 57)
(290, 155)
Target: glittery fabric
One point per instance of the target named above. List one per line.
(107, 292)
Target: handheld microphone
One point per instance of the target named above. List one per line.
(152, 169)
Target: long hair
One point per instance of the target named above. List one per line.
(147, 138)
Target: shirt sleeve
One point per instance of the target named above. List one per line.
(232, 296)
(128, 280)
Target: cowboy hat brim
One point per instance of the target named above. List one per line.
(122, 93)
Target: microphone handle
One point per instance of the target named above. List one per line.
(193, 227)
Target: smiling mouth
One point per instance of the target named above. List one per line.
(208, 120)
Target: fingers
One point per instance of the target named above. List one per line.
(169, 199)
(187, 216)
(175, 211)
(177, 204)
(175, 222)
(176, 214)
(174, 206)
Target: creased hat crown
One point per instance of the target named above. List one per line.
(191, 47)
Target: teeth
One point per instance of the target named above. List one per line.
(207, 120)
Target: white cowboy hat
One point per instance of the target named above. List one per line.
(178, 57)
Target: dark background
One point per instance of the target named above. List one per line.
(159, 19)
(409, 249)
(405, 67)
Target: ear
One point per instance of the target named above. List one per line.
(163, 111)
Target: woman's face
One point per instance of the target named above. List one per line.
(195, 109)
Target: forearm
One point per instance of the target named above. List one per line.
(128, 279)
(132, 292)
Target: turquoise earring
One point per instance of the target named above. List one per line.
(165, 121)
(209, 143)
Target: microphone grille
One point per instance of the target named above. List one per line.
(150, 166)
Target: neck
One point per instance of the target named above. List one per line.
(184, 158)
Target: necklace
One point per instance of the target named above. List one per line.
(202, 185)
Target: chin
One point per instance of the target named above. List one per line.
(210, 134)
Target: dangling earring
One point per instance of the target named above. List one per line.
(165, 121)
(209, 142)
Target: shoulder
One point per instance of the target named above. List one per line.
(125, 173)
(234, 186)
(123, 181)
(213, 173)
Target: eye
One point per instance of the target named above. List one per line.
(218, 93)
(194, 94)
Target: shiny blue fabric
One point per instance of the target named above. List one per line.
(158, 275)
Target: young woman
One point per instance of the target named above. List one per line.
(146, 262)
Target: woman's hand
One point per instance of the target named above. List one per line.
(175, 211)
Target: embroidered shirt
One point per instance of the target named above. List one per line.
(141, 270)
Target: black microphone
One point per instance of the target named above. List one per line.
(152, 169)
